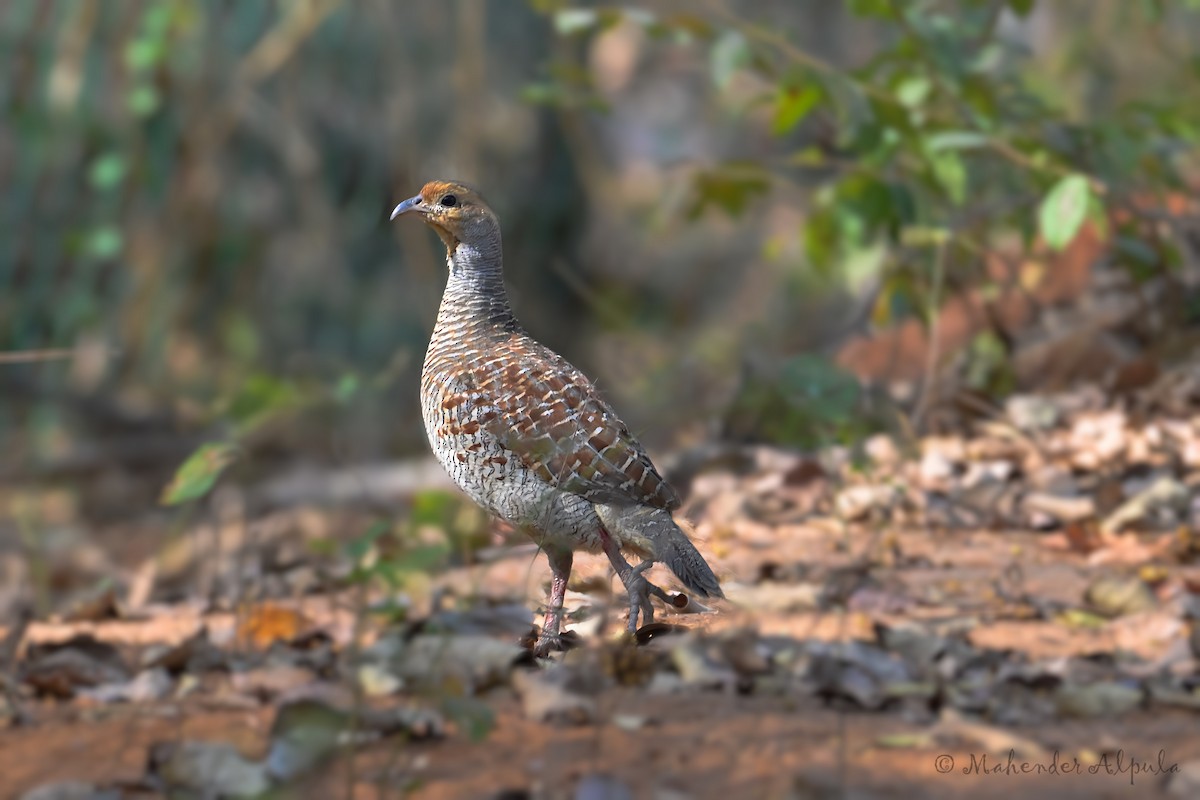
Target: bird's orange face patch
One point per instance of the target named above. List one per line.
(446, 205)
(455, 211)
(434, 191)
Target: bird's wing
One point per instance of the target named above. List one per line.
(550, 416)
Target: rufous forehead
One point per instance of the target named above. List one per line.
(435, 189)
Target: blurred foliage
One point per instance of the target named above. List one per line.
(198, 475)
(195, 201)
(947, 139)
(946, 133)
(196, 192)
(808, 403)
(438, 529)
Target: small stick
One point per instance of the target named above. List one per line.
(34, 356)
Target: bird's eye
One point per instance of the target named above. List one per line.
(449, 200)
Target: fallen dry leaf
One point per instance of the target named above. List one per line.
(261, 625)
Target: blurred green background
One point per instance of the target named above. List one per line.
(699, 201)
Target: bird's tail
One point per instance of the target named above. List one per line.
(653, 531)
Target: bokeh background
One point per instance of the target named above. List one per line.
(700, 202)
(903, 296)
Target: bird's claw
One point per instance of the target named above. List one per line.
(545, 645)
(640, 590)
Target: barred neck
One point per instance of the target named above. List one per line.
(475, 300)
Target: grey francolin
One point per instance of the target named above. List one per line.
(527, 436)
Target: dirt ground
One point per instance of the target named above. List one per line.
(699, 746)
(689, 743)
(887, 633)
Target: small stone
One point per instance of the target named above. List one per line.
(1107, 698)
(602, 787)
(1185, 782)
(1032, 412)
(1165, 501)
(1062, 509)
(630, 722)
(69, 790)
(936, 472)
(207, 769)
(856, 503)
(882, 450)
(1115, 596)
(987, 471)
(147, 686)
(547, 696)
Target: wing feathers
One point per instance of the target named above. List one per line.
(550, 416)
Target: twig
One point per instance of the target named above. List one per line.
(34, 356)
(934, 353)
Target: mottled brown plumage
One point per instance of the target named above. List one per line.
(526, 434)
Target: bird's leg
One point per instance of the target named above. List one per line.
(560, 571)
(636, 585)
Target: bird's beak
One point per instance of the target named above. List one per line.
(408, 205)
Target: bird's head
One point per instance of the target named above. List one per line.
(456, 212)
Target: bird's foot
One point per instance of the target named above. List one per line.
(549, 639)
(545, 645)
(640, 590)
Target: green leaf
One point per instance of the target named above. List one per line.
(543, 93)
(1063, 211)
(955, 140)
(904, 740)
(144, 53)
(912, 91)
(857, 125)
(104, 242)
(925, 236)
(107, 171)
(358, 547)
(822, 238)
(730, 187)
(872, 8)
(951, 175)
(143, 100)
(434, 507)
(421, 560)
(1021, 7)
(981, 96)
(808, 157)
(197, 476)
(989, 365)
(574, 20)
(792, 105)
(866, 206)
(259, 399)
(346, 388)
(730, 52)
(1079, 618)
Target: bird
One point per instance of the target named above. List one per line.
(528, 437)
